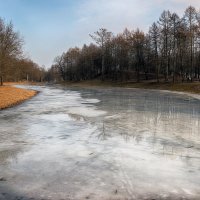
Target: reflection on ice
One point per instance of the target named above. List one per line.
(101, 144)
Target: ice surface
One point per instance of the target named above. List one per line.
(101, 144)
(86, 111)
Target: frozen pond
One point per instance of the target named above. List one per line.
(100, 144)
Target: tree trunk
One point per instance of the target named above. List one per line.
(102, 68)
(138, 74)
(157, 73)
(1, 80)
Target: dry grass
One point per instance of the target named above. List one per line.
(10, 96)
(193, 87)
(181, 87)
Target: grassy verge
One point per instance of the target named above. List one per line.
(10, 96)
(180, 87)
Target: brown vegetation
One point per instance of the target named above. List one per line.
(193, 87)
(10, 96)
(14, 66)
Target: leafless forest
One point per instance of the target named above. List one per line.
(170, 51)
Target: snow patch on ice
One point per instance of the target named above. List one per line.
(86, 111)
(92, 101)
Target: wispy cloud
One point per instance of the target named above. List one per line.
(113, 14)
(116, 15)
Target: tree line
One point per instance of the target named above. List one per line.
(170, 51)
(13, 64)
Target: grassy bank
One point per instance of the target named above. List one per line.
(10, 96)
(180, 87)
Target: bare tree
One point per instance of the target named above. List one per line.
(175, 24)
(59, 62)
(154, 37)
(191, 24)
(10, 46)
(169, 51)
(164, 22)
(137, 40)
(102, 38)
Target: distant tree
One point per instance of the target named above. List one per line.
(118, 56)
(190, 18)
(126, 35)
(165, 39)
(60, 64)
(10, 47)
(137, 40)
(52, 74)
(71, 63)
(89, 62)
(154, 33)
(175, 25)
(102, 38)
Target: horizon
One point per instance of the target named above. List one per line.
(50, 27)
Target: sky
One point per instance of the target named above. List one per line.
(50, 27)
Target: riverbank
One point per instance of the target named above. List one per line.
(186, 87)
(10, 96)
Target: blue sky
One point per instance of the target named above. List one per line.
(50, 27)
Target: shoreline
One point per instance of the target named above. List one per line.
(191, 90)
(186, 88)
(11, 96)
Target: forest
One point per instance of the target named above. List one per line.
(14, 66)
(169, 52)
